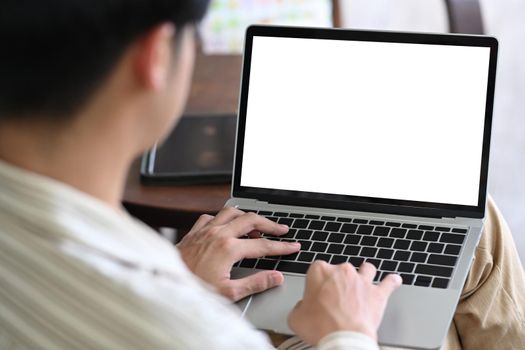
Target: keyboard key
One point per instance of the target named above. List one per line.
(248, 210)
(393, 224)
(398, 233)
(273, 218)
(423, 281)
(402, 244)
(418, 246)
(401, 255)
(297, 216)
(442, 229)
(321, 256)
(376, 222)
(285, 221)
(303, 234)
(434, 270)
(352, 239)
(381, 231)
(349, 228)
(344, 219)
(328, 218)
(356, 261)
(406, 267)
(368, 252)
(407, 278)
(377, 276)
(305, 245)
(333, 226)
(338, 259)
(438, 259)
(383, 275)
(311, 216)
(459, 230)
(280, 214)
(452, 238)
(335, 248)
(320, 236)
(319, 247)
(300, 223)
(369, 241)
(415, 234)
(440, 282)
(385, 242)
(336, 237)
(435, 247)
(365, 229)
(419, 257)
(265, 264)
(389, 265)
(409, 226)
(426, 227)
(375, 262)
(360, 221)
(352, 250)
(265, 213)
(452, 249)
(249, 263)
(316, 225)
(306, 256)
(294, 267)
(385, 253)
(431, 236)
(290, 257)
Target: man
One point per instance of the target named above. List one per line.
(85, 87)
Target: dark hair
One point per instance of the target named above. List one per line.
(55, 53)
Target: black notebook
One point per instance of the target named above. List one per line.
(199, 150)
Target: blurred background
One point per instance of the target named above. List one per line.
(222, 33)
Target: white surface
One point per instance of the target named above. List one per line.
(366, 119)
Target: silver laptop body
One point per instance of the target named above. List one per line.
(371, 146)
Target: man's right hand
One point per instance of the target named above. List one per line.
(338, 298)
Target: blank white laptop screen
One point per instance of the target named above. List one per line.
(385, 120)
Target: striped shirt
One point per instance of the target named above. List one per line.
(78, 274)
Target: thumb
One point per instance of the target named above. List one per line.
(256, 283)
(390, 283)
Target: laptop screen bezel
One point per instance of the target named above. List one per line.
(357, 203)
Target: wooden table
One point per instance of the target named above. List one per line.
(215, 89)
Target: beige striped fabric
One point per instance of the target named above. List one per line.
(78, 274)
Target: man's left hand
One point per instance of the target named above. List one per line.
(214, 244)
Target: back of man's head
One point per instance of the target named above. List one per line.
(55, 53)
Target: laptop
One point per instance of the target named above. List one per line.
(371, 146)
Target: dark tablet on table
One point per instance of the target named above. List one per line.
(199, 150)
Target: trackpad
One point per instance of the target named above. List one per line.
(269, 310)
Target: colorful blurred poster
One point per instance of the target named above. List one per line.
(222, 30)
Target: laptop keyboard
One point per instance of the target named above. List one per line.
(423, 255)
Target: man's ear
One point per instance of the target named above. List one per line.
(153, 56)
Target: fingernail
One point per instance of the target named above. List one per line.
(295, 244)
(283, 226)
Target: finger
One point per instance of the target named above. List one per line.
(252, 222)
(202, 221)
(255, 283)
(390, 283)
(318, 271)
(368, 271)
(226, 215)
(256, 248)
